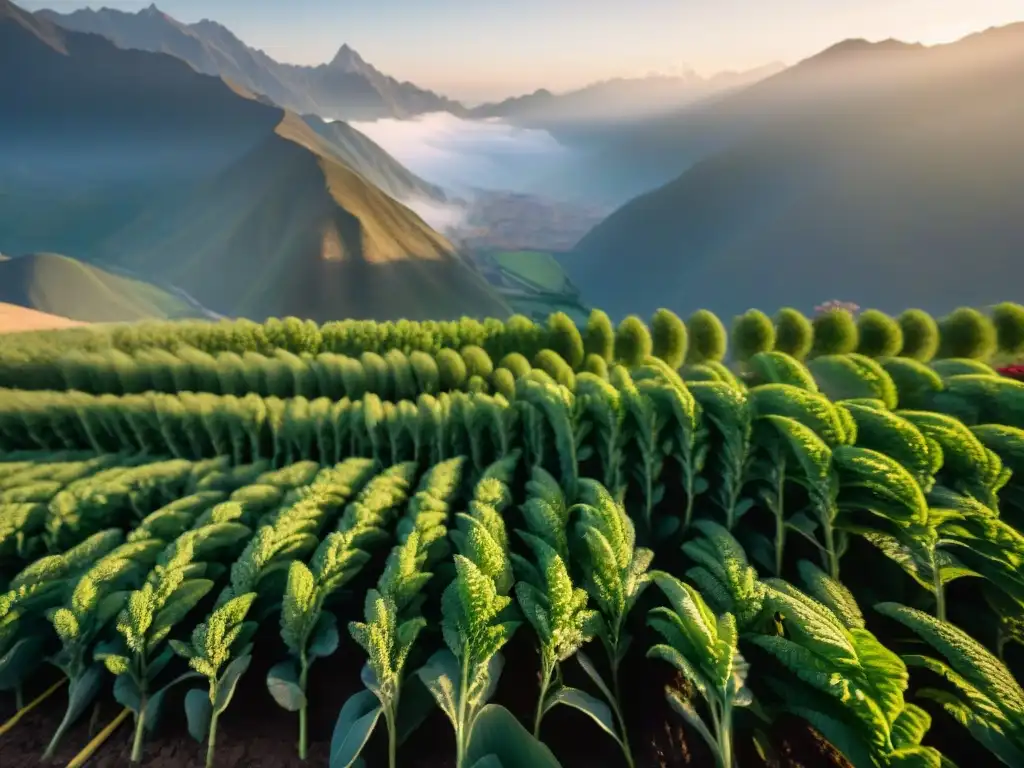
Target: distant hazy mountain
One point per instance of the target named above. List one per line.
(346, 88)
(885, 174)
(59, 285)
(134, 159)
(620, 99)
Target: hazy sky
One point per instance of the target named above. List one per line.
(482, 49)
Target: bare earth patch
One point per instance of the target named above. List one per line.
(14, 318)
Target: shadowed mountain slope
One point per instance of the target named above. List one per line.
(307, 236)
(893, 177)
(361, 154)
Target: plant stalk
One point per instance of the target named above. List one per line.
(211, 741)
(725, 737)
(304, 709)
(617, 696)
(391, 720)
(831, 558)
(940, 593)
(140, 721)
(545, 682)
(65, 723)
(460, 735)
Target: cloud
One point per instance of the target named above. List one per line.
(446, 219)
(462, 154)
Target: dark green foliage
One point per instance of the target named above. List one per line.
(967, 333)
(708, 338)
(516, 363)
(835, 333)
(1008, 318)
(632, 342)
(596, 365)
(794, 333)
(503, 382)
(920, 335)
(293, 334)
(915, 382)
(879, 335)
(599, 337)
(564, 338)
(478, 362)
(554, 366)
(403, 380)
(521, 335)
(752, 334)
(669, 338)
(378, 376)
(962, 366)
(452, 369)
(424, 368)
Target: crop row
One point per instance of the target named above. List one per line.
(37, 359)
(598, 483)
(281, 561)
(391, 376)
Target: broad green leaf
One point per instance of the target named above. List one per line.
(83, 691)
(324, 639)
(440, 675)
(589, 705)
(127, 693)
(666, 527)
(154, 706)
(159, 663)
(497, 733)
(689, 714)
(228, 681)
(355, 724)
(23, 657)
(593, 674)
(283, 684)
(198, 712)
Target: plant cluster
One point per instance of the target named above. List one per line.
(144, 537)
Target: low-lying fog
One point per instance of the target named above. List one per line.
(461, 155)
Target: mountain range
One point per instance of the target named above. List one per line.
(346, 88)
(349, 88)
(619, 99)
(888, 174)
(880, 173)
(135, 159)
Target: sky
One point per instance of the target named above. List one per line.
(478, 50)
